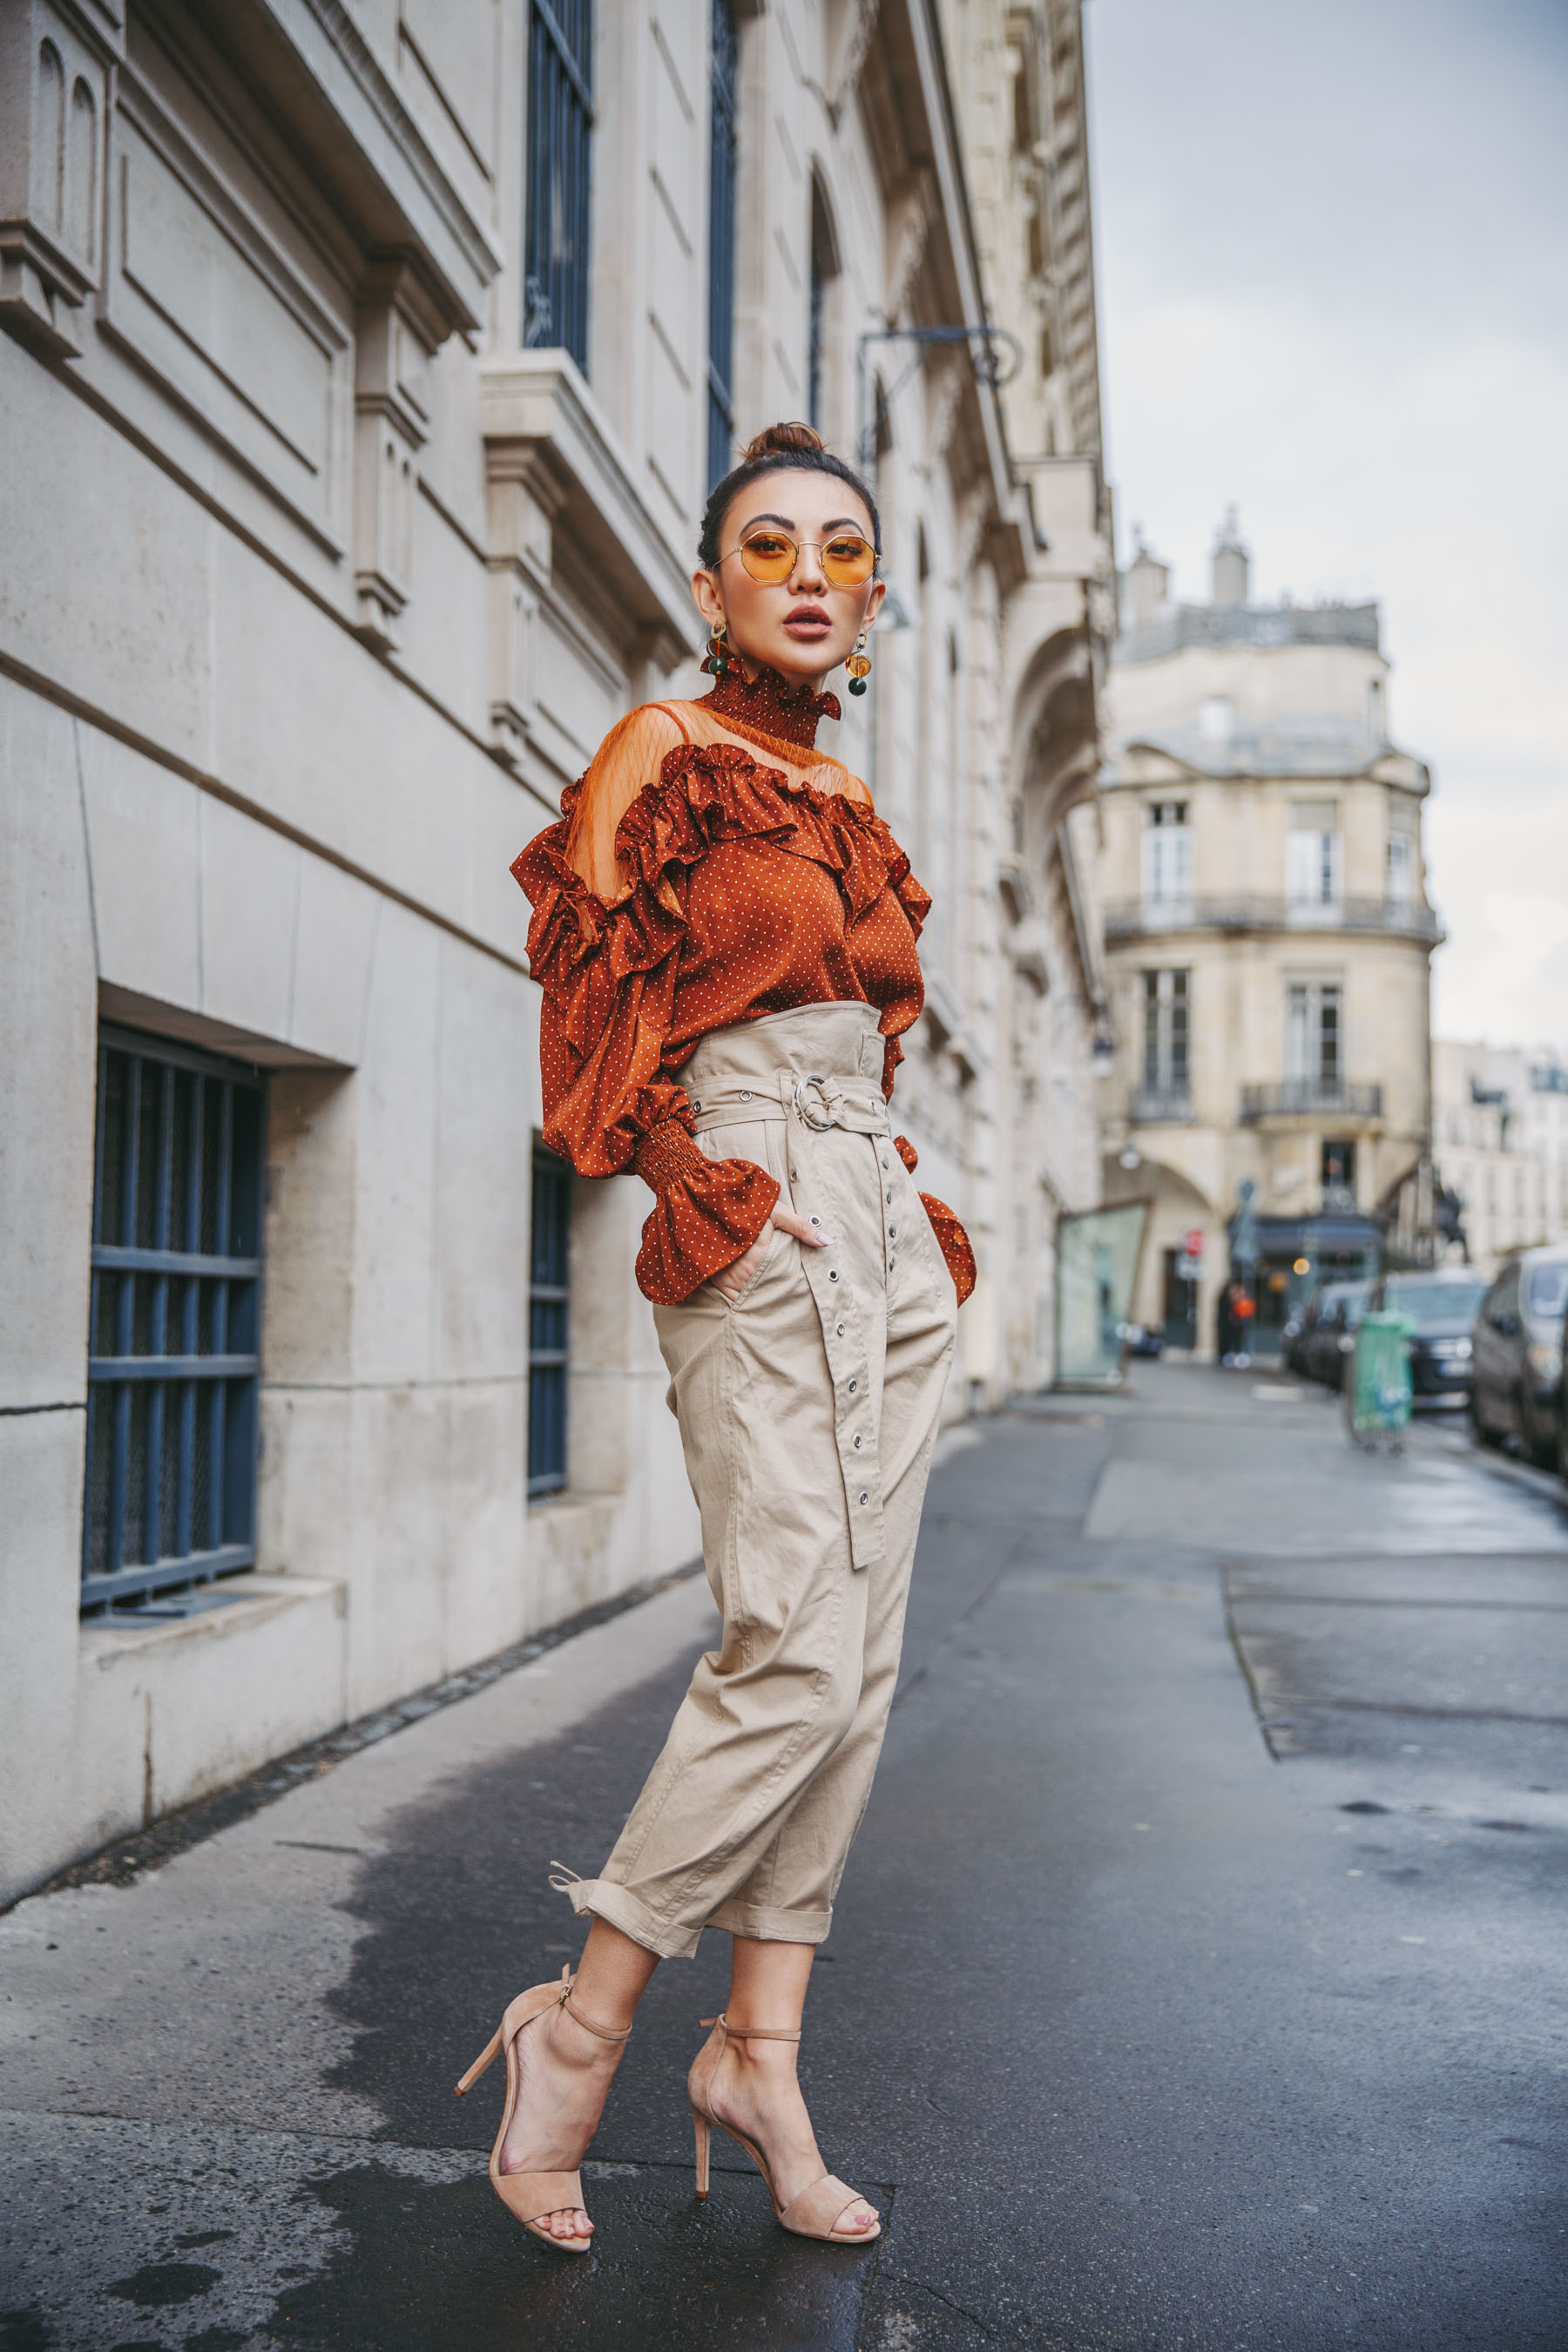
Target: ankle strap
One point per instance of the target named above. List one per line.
(604, 2032)
(750, 2032)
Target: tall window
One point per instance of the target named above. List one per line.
(824, 268)
(1313, 856)
(549, 1299)
(559, 175)
(1400, 885)
(1338, 1168)
(1313, 1036)
(1166, 997)
(721, 242)
(1167, 853)
(174, 1336)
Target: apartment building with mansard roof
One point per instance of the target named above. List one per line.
(1268, 940)
(363, 370)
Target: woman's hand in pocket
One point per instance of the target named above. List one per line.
(733, 1279)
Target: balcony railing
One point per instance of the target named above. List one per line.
(1160, 1107)
(1302, 1097)
(1127, 919)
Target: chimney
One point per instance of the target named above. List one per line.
(1230, 565)
(1147, 584)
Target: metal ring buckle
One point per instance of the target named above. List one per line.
(814, 1078)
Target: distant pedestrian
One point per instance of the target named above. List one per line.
(721, 900)
(1235, 1317)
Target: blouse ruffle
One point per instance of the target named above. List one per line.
(608, 971)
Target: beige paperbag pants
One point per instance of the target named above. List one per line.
(808, 1409)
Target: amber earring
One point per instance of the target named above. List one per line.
(719, 653)
(859, 666)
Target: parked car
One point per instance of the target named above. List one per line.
(1324, 1349)
(1443, 1306)
(1516, 1373)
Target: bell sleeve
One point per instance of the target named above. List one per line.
(957, 1252)
(607, 972)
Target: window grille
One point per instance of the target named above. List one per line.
(549, 1304)
(722, 148)
(174, 1332)
(559, 175)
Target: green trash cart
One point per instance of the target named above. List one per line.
(1377, 1394)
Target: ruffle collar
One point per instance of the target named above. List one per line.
(704, 794)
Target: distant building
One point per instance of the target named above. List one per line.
(1268, 942)
(1499, 1145)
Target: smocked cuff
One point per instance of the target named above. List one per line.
(666, 1156)
(708, 1213)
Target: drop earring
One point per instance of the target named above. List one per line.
(859, 666)
(717, 664)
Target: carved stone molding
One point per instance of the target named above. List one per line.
(396, 336)
(56, 63)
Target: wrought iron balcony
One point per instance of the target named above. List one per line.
(1160, 1107)
(1127, 919)
(1310, 1098)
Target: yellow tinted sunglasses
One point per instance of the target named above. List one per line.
(771, 555)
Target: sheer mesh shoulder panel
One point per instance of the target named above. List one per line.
(628, 759)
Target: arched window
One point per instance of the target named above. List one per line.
(722, 241)
(825, 266)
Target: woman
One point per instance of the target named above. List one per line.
(724, 933)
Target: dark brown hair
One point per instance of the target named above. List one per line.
(780, 448)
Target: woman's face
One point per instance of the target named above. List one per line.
(802, 627)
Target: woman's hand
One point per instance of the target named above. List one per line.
(733, 1279)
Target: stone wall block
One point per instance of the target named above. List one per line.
(47, 1053)
(482, 1146)
(41, 1465)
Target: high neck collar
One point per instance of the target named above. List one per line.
(772, 705)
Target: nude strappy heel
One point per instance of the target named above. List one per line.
(529, 2195)
(818, 2211)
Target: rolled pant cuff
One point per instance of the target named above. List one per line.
(604, 1899)
(772, 1927)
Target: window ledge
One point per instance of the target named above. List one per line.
(250, 1600)
(537, 409)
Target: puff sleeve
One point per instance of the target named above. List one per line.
(606, 959)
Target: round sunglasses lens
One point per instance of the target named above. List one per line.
(768, 556)
(848, 562)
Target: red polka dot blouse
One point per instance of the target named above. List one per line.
(692, 883)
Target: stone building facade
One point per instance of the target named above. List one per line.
(1499, 1147)
(1269, 943)
(364, 366)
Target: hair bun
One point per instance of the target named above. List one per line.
(784, 440)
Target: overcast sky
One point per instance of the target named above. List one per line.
(1332, 240)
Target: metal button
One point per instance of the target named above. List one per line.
(832, 1276)
(795, 1175)
(744, 1096)
(886, 1161)
(816, 1221)
(853, 1386)
(892, 1233)
(889, 1200)
(857, 1445)
(864, 1497)
(892, 1261)
(840, 1330)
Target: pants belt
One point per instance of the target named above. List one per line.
(816, 1100)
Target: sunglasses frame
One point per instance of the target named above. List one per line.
(776, 530)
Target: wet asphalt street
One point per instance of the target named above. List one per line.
(1197, 1983)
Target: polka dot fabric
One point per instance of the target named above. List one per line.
(706, 871)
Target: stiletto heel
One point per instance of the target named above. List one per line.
(818, 2211)
(486, 2059)
(527, 2195)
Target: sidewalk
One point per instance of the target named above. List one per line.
(1149, 2027)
